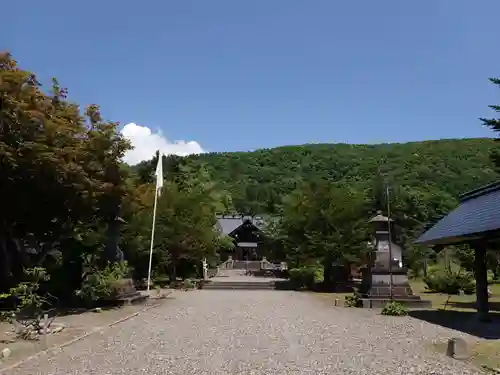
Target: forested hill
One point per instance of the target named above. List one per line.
(258, 180)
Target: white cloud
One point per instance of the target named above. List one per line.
(146, 143)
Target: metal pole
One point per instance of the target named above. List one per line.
(390, 240)
(152, 239)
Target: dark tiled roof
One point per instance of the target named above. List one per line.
(478, 212)
(229, 223)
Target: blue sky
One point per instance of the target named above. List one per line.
(240, 75)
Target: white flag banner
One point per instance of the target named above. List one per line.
(159, 174)
(159, 185)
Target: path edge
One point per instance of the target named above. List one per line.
(76, 339)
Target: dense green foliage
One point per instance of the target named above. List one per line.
(324, 194)
(449, 282)
(61, 181)
(63, 186)
(100, 283)
(258, 180)
(305, 277)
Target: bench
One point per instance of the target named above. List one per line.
(125, 293)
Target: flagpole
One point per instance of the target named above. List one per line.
(152, 240)
(390, 242)
(159, 185)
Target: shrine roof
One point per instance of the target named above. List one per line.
(476, 217)
(227, 224)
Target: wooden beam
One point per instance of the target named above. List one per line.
(481, 274)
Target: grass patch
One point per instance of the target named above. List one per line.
(455, 302)
(440, 301)
(486, 352)
(458, 312)
(483, 353)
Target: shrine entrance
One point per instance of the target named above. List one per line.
(246, 236)
(246, 251)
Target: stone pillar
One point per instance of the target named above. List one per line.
(481, 274)
(263, 263)
(112, 248)
(205, 269)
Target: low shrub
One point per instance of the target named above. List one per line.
(99, 285)
(353, 301)
(306, 277)
(177, 284)
(450, 282)
(162, 281)
(29, 303)
(395, 309)
(188, 284)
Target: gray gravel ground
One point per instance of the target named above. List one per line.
(254, 332)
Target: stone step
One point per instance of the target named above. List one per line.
(229, 287)
(239, 285)
(229, 281)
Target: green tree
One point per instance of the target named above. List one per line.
(185, 224)
(324, 223)
(258, 180)
(494, 124)
(61, 178)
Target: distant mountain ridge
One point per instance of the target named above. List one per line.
(257, 180)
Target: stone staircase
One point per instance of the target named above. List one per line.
(236, 279)
(234, 274)
(239, 285)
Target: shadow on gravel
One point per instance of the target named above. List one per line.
(463, 321)
(318, 288)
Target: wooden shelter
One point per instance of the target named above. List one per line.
(476, 221)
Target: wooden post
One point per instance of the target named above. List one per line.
(481, 273)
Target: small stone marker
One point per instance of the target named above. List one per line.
(6, 353)
(336, 301)
(457, 349)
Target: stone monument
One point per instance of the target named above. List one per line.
(112, 248)
(384, 277)
(124, 289)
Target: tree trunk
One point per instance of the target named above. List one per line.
(172, 270)
(5, 265)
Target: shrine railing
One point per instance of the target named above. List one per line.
(253, 265)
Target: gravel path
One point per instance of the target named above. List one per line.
(254, 332)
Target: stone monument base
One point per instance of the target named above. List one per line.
(377, 293)
(125, 293)
(415, 302)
